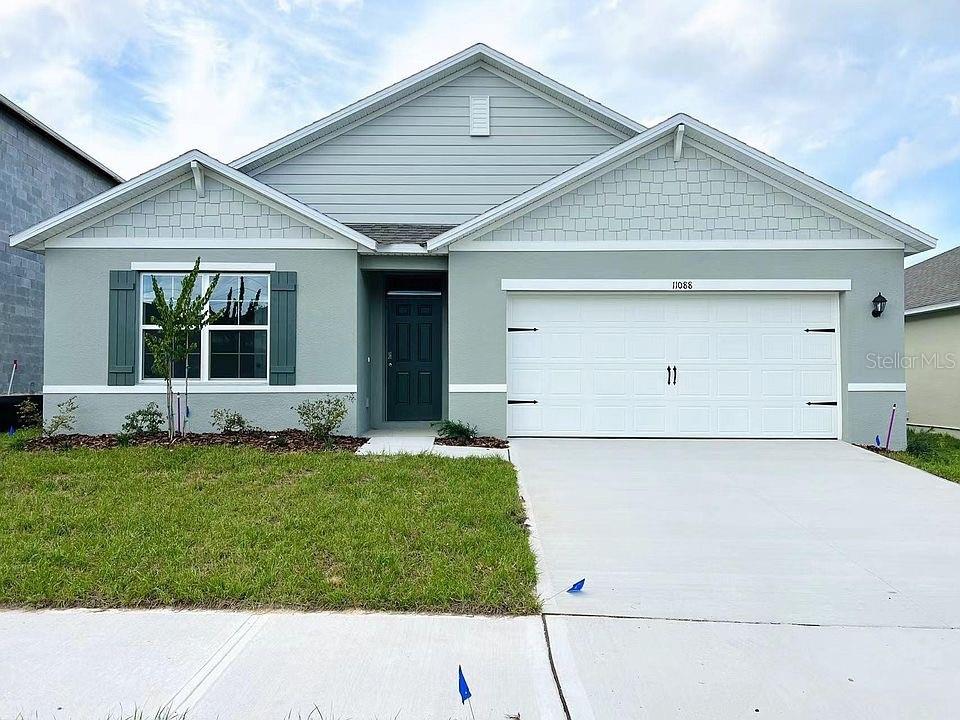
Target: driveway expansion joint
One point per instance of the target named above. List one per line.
(772, 623)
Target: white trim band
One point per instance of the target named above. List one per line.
(933, 308)
(678, 285)
(198, 388)
(209, 266)
(639, 245)
(877, 387)
(478, 388)
(159, 243)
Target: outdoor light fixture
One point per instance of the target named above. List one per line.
(879, 305)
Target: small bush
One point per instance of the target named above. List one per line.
(456, 430)
(65, 418)
(322, 417)
(923, 444)
(229, 421)
(145, 420)
(29, 415)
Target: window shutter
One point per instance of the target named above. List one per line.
(122, 333)
(283, 328)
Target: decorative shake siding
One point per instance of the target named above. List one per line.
(698, 197)
(223, 212)
(418, 163)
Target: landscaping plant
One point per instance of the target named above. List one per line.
(64, 419)
(456, 430)
(177, 320)
(322, 417)
(229, 421)
(29, 415)
(143, 421)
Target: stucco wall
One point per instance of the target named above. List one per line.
(38, 178)
(477, 312)
(933, 369)
(77, 316)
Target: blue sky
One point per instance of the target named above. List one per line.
(863, 95)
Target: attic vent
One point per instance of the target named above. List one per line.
(479, 115)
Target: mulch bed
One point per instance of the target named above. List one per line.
(278, 441)
(484, 441)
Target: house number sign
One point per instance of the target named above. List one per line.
(683, 284)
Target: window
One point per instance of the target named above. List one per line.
(233, 346)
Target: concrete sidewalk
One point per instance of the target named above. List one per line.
(94, 664)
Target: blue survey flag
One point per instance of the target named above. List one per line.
(464, 688)
(878, 441)
(11, 432)
(577, 586)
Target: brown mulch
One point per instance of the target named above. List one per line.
(484, 441)
(276, 441)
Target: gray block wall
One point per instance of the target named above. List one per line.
(38, 178)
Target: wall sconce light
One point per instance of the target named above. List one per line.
(879, 305)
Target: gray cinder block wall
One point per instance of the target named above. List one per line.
(39, 177)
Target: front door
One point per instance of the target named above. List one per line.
(414, 368)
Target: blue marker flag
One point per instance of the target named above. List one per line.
(878, 441)
(577, 586)
(464, 689)
(11, 432)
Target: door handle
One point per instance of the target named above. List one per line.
(668, 374)
(674, 374)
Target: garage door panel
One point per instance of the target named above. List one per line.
(597, 365)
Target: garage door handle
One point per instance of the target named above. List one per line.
(668, 374)
(674, 374)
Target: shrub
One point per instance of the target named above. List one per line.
(64, 419)
(229, 421)
(322, 417)
(29, 415)
(923, 444)
(456, 430)
(145, 420)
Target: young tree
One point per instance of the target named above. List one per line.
(177, 321)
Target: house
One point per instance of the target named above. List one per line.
(481, 243)
(932, 291)
(41, 173)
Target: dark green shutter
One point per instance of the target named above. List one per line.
(122, 334)
(283, 328)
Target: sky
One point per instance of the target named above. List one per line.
(863, 95)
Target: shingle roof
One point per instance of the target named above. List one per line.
(934, 281)
(392, 233)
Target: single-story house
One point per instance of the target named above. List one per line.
(932, 291)
(481, 243)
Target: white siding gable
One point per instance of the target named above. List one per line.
(223, 212)
(418, 162)
(697, 197)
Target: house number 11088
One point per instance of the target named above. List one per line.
(683, 285)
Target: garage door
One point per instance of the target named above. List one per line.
(758, 365)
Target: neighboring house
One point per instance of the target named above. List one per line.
(481, 243)
(932, 290)
(41, 173)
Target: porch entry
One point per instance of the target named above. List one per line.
(414, 355)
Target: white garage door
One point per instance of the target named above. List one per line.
(673, 365)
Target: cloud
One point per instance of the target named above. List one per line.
(909, 158)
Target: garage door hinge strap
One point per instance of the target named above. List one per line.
(826, 402)
(513, 329)
(521, 402)
(820, 330)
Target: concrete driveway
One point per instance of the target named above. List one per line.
(730, 578)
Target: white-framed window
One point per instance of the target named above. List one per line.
(235, 346)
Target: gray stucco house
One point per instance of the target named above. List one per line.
(41, 173)
(480, 242)
(933, 342)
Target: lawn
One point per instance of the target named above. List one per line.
(934, 452)
(244, 528)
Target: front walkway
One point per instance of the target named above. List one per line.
(419, 439)
(726, 578)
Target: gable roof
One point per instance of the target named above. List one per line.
(807, 187)
(34, 237)
(472, 56)
(933, 284)
(58, 138)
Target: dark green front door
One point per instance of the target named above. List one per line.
(414, 368)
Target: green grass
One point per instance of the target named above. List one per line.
(242, 528)
(934, 452)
